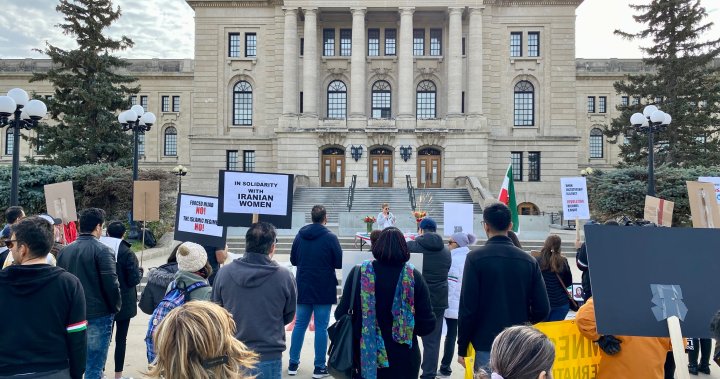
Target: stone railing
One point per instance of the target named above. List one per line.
(478, 192)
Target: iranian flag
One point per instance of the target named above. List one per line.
(507, 197)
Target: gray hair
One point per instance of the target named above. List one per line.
(522, 352)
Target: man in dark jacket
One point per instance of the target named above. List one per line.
(502, 286)
(94, 264)
(436, 264)
(13, 215)
(43, 310)
(316, 252)
(261, 297)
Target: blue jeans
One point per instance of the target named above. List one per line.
(270, 369)
(302, 320)
(482, 361)
(558, 313)
(99, 331)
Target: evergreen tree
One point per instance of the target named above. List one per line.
(88, 89)
(683, 81)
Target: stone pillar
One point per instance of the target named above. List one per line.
(405, 64)
(310, 64)
(475, 62)
(290, 62)
(357, 76)
(454, 68)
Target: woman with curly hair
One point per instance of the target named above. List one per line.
(197, 341)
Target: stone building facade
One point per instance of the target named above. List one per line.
(446, 92)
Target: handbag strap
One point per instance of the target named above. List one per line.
(355, 274)
(564, 287)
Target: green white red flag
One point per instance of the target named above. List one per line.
(507, 197)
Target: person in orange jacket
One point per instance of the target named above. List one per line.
(624, 356)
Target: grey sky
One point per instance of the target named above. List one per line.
(165, 28)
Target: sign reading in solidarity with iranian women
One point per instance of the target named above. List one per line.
(574, 198)
(197, 220)
(243, 194)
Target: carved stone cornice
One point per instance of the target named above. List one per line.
(332, 138)
(532, 2)
(427, 138)
(380, 139)
(233, 4)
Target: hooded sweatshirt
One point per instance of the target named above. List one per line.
(261, 296)
(317, 253)
(436, 265)
(45, 307)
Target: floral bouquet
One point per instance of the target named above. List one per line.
(369, 221)
(419, 215)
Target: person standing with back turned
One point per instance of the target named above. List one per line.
(316, 253)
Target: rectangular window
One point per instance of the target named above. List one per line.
(602, 104)
(373, 42)
(133, 100)
(516, 44)
(40, 144)
(144, 102)
(231, 160)
(533, 44)
(302, 46)
(9, 141)
(328, 42)
(462, 104)
(624, 101)
(234, 45)
(301, 102)
(165, 107)
(636, 100)
(534, 160)
(390, 41)
(516, 158)
(463, 46)
(250, 44)
(591, 104)
(48, 97)
(435, 42)
(419, 42)
(141, 145)
(345, 42)
(176, 104)
(249, 160)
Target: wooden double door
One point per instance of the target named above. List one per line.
(381, 167)
(333, 168)
(429, 168)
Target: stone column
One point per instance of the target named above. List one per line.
(310, 64)
(357, 76)
(405, 64)
(475, 62)
(290, 69)
(454, 68)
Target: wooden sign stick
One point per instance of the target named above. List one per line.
(678, 347)
(142, 249)
(255, 218)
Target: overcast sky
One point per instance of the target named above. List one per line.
(165, 28)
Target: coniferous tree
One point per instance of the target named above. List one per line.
(683, 81)
(88, 89)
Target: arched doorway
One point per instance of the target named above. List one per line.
(333, 167)
(381, 167)
(528, 209)
(429, 168)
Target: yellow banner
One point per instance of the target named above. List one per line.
(576, 357)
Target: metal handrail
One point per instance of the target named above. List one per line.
(351, 192)
(411, 191)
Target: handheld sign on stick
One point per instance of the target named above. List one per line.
(670, 307)
(244, 195)
(60, 201)
(705, 212)
(196, 220)
(146, 205)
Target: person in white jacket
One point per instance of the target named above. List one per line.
(458, 243)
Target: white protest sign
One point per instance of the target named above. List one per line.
(458, 217)
(574, 198)
(249, 192)
(198, 214)
(715, 181)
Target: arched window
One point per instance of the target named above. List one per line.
(242, 103)
(425, 100)
(381, 99)
(596, 143)
(170, 141)
(337, 100)
(9, 141)
(524, 104)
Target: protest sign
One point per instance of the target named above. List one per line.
(244, 194)
(196, 220)
(146, 200)
(574, 199)
(458, 217)
(60, 201)
(575, 355)
(715, 181)
(705, 212)
(659, 211)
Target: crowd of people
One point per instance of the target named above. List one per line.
(213, 321)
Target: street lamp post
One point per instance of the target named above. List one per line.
(139, 121)
(651, 121)
(26, 113)
(180, 171)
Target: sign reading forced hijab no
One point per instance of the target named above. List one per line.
(633, 269)
(243, 194)
(196, 220)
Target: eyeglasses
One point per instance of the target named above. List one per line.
(451, 242)
(10, 243)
